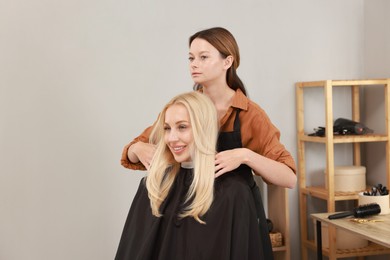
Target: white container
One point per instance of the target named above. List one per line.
(344, 239)
(383, 201)
(348, 178)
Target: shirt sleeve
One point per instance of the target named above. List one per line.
(264, 138)
(144, 137)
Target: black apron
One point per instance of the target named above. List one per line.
(232, 140)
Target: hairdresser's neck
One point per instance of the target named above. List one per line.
(220, 94)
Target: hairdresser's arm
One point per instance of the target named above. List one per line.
(141, 152)
(271, 171)
(138, 152)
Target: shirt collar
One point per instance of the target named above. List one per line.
(240, 100)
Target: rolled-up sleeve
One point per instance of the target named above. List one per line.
(263, 137)
(144, 137)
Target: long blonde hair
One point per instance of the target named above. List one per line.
(163, 170)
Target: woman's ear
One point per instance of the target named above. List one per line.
(228, 62)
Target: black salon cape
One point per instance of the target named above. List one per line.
(231, 229)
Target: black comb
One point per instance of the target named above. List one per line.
(359, 212)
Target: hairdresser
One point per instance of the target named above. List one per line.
(248, 140)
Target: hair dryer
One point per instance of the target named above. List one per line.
(345, 126)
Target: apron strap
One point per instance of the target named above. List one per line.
(236, 126)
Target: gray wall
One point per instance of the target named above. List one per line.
(377, 65)
(79, 79)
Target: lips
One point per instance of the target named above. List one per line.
(178, 149)
(181, 153)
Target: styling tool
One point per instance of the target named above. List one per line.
(359, 212)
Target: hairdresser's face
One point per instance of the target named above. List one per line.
(178, 132)
(207, 66)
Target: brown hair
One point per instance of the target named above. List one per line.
(225, 43)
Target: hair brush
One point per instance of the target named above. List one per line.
(359, 212)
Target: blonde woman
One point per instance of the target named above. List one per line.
(181, 211)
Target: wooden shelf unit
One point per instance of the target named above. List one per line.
(329, 140)
(278, 213)
(371, 249)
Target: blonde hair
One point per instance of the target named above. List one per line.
(163, 170)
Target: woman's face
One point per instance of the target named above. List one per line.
(178, 132)
(207, 66)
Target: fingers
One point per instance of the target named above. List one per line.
(224, 162)
(147, 166)
(219, 165)
(146, 154)
(217, 175)
(146, 160)
(220, 169)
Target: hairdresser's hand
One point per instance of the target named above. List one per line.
(142, 152)
(229, 160)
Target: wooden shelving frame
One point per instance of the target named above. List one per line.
(329, 140)
(278, 213)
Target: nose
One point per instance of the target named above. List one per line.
(194, 63)
(172, 136)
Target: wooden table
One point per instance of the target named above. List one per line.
(377, 232)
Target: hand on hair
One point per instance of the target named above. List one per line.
(228, 160)
(142, 152)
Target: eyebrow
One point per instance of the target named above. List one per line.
(179, 122)
(202, 52)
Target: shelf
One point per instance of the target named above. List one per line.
(371, 249)
(278, 213)
(343, 83)
(322, 193)
(279, 249)
(338, 139)
(306, 190)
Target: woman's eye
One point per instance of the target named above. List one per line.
(182, 127)
(166, 128)
(191, 58)
(203, 57)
